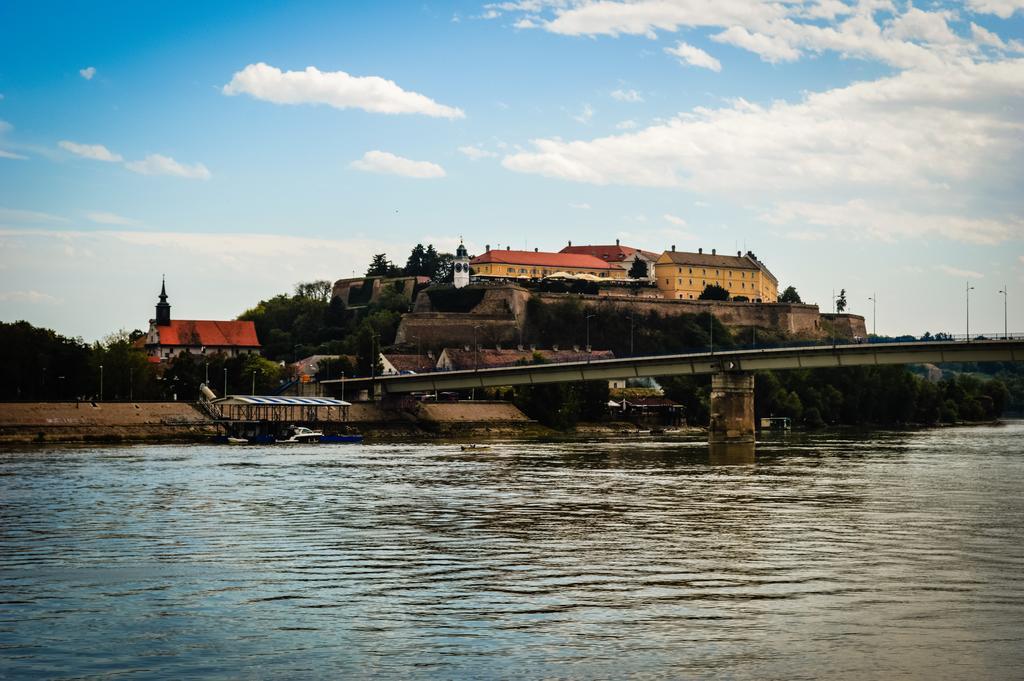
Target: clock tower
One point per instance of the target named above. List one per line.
(460, 266)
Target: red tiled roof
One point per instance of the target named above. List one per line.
(416, 363)
(610, 253)
(543, 259)
(192, 332)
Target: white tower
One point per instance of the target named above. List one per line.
(461, 266)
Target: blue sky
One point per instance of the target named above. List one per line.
(871, 146)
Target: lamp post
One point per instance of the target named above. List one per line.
(711, 330)
(476, 350)
(342, 386)
(631, 351)
(206, 366)
(131, 384)
(1006, 324)
(253, 382)
(101, 383)
(225, 382)
(874, 314)
(969, 289)
(588, 334)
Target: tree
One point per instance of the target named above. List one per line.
(713, 292)
(444, 270)
(841, 301)
(380, 266)
(416, 265)
(638, 270)
(790, 296)
(319, 290)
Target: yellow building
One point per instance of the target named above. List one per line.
(509, 264)
(683, 276)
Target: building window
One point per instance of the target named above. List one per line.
(691, 282)
(511, 270)
(691, 270)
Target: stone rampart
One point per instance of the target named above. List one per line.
(435, 330)
(793, 318)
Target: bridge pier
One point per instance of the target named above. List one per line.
(731, 432)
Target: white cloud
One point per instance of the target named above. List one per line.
(694, 56)
(770, 48)
(11, 155)
(1003, 9)
(585, 115)
(631, 96)
(15, 216)
(937, 134)
(861, 219)
(157, 164)
(959, 273)
(387, 163)
(96, 152)
(106, 218)
(674, 219)
(626, 125)
(88, 72)
(34, 297)
(334, 88)
(806, 235)
(580, 206)
(476, 153)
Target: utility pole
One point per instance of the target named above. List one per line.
(131, 384)
(874, 314)
(711, 329)
(225, 382)
(1006, 325)
(342, 386)
(254, 382)
(101, 383)
(969, 288)
(588, 335)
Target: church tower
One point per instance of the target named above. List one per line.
(461, 266)
(163, 308)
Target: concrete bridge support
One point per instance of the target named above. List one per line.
(732, 408)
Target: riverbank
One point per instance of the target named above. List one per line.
(100, 422)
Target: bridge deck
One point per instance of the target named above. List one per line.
(802, 357)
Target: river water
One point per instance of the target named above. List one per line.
(879, 555)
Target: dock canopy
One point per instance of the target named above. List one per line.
(282, 401)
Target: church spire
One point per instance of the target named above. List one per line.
(163, 308)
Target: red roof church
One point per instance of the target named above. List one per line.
(168, 338)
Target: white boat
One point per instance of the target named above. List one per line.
(302, 434)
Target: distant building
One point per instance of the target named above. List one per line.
(623, 256)
(324, 366)
(683, 275)
(456, 359)
(509, 264)
(167, 338)
(396, 363)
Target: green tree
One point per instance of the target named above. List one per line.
(790, 296)
(380, 266)
(713, 292)
(416, 264)
(841, 301)
(319, 290)
(638, 270)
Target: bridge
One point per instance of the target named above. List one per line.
(732, 377)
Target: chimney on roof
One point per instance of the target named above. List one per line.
(738, 254)
(713, 252)
(616, 242)
(570, 242)
(673, 248)
(508, 248)
(534, 249)
(488, 247)
(700, 250)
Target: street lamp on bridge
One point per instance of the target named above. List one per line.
(1006, 325)
(588, 331)
(874, 314)
(969, 289)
